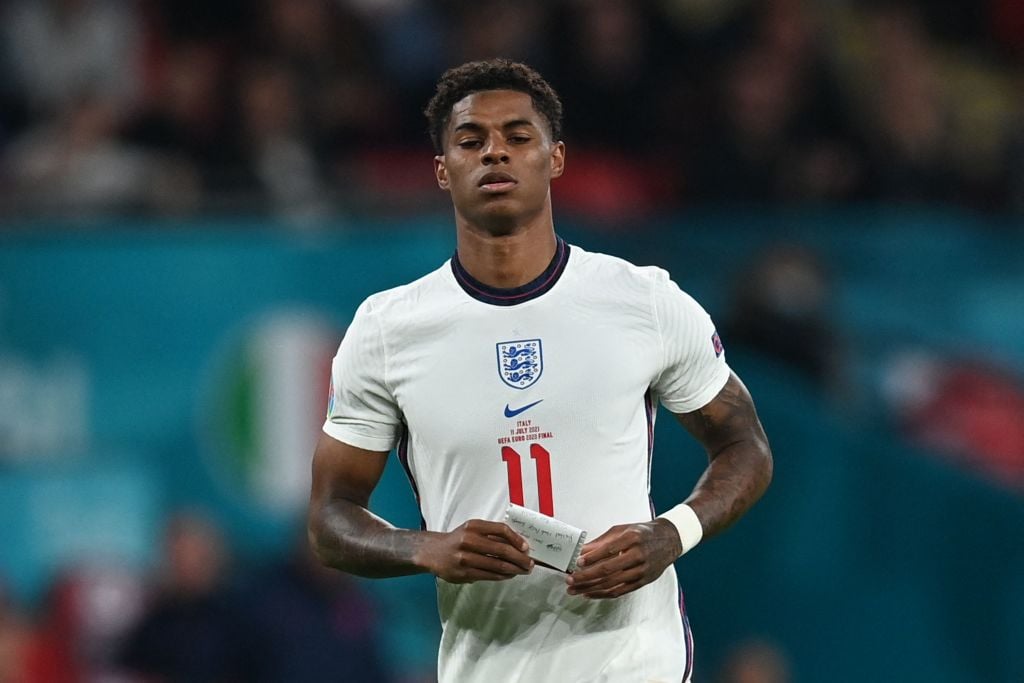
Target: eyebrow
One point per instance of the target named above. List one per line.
(476, 127)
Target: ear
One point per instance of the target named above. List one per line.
(558, 159)
(441, 172)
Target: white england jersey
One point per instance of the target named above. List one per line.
(544, 396)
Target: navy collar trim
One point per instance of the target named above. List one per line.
(515, 295)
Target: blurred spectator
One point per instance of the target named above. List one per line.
(781, 306)
(411, 38)
(194, 629)
(755, 661)
(311, 620)
(482, 29)
(667, 101)
(76, 163)
(59, 48)
(13, 639)
(86, 614)
(185, 119)
(908, 119)
(970, 412)
(277, 166)
(608, 73)
(937, 121)
(778, 130)
(607, 68)
(329, 52)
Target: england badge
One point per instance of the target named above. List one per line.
(520, 363)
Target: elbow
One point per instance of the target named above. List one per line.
(315, 536)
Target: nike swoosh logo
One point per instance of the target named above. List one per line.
(512, 413)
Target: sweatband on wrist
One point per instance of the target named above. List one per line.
(684, 519)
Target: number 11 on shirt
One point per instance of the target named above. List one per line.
(542, 461)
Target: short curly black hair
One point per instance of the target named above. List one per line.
(493, 74)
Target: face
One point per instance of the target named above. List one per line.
(498, 160)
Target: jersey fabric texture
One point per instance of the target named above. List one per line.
(544, 395)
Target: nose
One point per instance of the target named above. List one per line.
(495, 150)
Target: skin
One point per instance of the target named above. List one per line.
(506, 238)
(739, 470)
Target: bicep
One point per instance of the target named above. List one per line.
(344, 471)
(728, 418)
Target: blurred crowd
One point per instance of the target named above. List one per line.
(308, 108)
(203, 615)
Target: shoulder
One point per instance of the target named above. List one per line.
(628, 285)
(431, 290)
(611, 274)
(593, 263)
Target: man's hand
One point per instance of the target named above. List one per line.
(624, 558)
(477, 550)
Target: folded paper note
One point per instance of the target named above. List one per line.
(552, 542)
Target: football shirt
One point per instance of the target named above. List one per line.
(545, 396)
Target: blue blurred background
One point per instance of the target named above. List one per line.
(195, 196)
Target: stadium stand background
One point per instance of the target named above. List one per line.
(195, 196)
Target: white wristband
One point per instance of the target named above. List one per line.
(684, 519)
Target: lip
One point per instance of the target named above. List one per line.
(497, 182)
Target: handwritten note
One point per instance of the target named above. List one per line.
(552, 542)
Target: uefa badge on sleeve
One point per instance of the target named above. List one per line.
(330, 399)
(716, 342)
(520, 363)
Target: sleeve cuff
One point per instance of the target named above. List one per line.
(359, 440)
(704, 396)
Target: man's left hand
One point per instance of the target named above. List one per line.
(624, 558)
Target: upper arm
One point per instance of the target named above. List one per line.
(727, 419)
(344, 471)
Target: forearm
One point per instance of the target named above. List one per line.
(734, 480)
(349, 537)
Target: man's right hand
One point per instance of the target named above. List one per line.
(477, 550)
(347, 536)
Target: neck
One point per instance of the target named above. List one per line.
(509, 259)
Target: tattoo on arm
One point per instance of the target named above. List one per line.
(342, 530)
(740, 460)
(351, 538)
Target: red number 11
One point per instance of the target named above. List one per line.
(514, 463)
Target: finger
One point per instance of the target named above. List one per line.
(612, 570)
(466, 565)
(629, 576)
(600, 544)
(473, 562)
(498, 549)
(605, 548)
(499, 530)
(615, 591)
(595, 573)
(606, 556)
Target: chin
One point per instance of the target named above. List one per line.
(499, 226)
(500, 219)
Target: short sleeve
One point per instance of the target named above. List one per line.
(693, 361)
(361, 409)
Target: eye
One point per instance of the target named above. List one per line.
(519, 139)
(469, 143)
